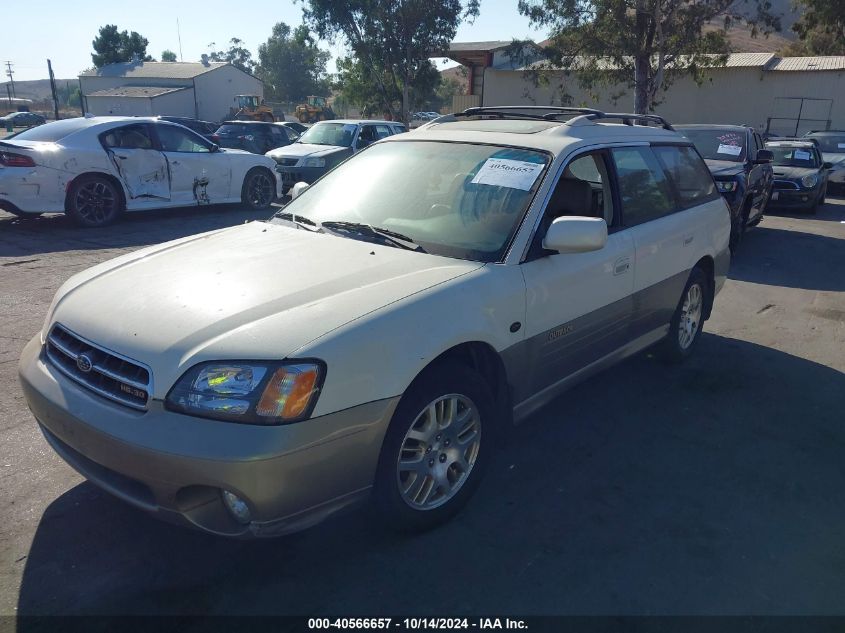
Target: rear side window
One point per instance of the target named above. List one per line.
(643, 187)
(688, 175)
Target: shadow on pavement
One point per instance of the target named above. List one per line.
(714, 487)
(55, 233)
(790, 258)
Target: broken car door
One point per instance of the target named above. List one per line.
(141, 167)
(198, 175)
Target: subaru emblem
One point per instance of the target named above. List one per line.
(83, 363)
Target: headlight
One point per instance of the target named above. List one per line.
(249, 392)
(726, 186)
(314, 162)
(810, 180)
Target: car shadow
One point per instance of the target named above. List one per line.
(54, 233)
(790, 258)
(833, 210)
(713, 487)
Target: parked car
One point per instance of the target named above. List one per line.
(96, 168)
(296, 126)
(742, 168)
(22, 119)
(380, 332)
(257, 137)
(203, 128)
(325, 145)
(832, 145)
(800, 175)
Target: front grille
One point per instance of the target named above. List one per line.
(287, 162)
(105, 373)
(291, 177)
(782, 185)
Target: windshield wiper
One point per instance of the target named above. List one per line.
(300, 221)
(392, 237)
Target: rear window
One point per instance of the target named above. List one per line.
(56, 131)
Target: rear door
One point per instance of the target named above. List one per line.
(198, 175)
(139, 164)
(578, 304)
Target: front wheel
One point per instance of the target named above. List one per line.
(436, 448)
(688, 320)
(94, 201)
(259, 189)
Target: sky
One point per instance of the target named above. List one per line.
(63, 31)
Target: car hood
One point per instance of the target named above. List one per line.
(793, 173)
(298, 150)
(837, 159)
(257, 291)
(723, 167)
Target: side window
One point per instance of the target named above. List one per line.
(382, 131)
(643, 187)
(173, 139)
(368, 134)
(136, 136)
(583, 189)
(688, 175)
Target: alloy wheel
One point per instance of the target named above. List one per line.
(96, 202)
(691, 312)
(260, 192)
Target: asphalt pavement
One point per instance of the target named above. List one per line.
(713, 487)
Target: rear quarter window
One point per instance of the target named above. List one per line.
(688, 175)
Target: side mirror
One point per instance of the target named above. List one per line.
(764, 156)
(215, 148)
(297, 189)
(575, 234)
(827, 165)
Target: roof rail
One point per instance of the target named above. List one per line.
(632, 119)
(550, 113)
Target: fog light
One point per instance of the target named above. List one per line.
(237, 507)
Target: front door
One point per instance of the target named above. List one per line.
(578, 304)
(140, 166)
(198, 175)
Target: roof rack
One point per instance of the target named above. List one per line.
(553, 112)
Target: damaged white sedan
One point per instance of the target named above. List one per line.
(96, 168)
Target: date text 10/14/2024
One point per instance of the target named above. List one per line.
(414, 624)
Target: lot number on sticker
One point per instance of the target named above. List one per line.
(501, 172)
(733, 150)
(799, 155)
(840, 145)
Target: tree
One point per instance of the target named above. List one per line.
(392, 39)
(376, 92)
(236, 55)
(168, 56)
(821, 28)
(291, 65)
(112, 46)
(644, 44)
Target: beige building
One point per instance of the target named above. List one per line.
(202, 90)
(784, 95)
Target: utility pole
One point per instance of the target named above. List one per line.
(53, 89)
(9, 92)
(9, 73)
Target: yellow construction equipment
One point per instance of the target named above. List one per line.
(253, 108)
(314, 109)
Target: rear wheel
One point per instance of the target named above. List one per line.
(94, 201)
(259, 189)
(436, 448)
(686, 325)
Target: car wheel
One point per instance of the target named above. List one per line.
(436, 448)
(94, 201)
(738, 226)
(686, 324)
(259, 189)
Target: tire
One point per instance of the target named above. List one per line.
(259, 189)
(452, 457)
(738, 226)
(684, 332)
(94, 201)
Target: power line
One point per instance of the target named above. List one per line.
(10, 73)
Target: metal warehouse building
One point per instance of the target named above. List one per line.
(784, 95)
(203, 90)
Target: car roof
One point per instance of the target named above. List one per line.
(711, 126)
(823, 132)
(361, 122)
(553, 136)
(247, 123)
(791, 143)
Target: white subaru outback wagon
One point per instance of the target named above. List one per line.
(375, 336)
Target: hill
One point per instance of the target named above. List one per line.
(39, 89)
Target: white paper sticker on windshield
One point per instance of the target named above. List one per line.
(799, 155)
(501, 172)
(840, 145)
(733, 150)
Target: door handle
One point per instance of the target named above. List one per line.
(688, 240)
(621, 266)
(121, 157)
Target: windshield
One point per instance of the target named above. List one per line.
(830, 143)
(794, 156)
(56, 131)
(717, 144)
(452, 199)
(338, 134)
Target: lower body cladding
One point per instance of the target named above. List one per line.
(181, 468)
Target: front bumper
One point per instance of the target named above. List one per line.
(793, 198)
(292, 175)
(174, 466)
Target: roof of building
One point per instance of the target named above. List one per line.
(808, 63)
(155, 70)
(493, 45)
(137, 91)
